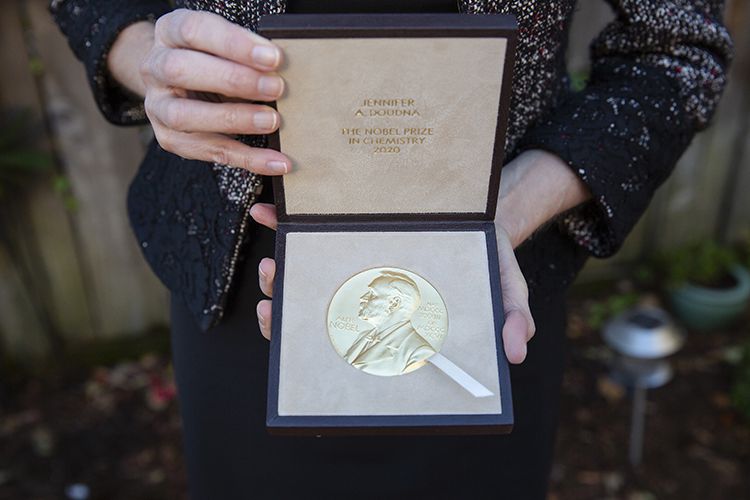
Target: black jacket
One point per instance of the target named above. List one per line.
(658, 71)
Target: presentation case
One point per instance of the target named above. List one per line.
(387, 308)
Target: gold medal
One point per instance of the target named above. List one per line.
(387, 321)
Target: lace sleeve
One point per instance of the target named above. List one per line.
(658, 71)
(91, 28)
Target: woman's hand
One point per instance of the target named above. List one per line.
(194, 54)
(519, 325)
(265, 214)
(535, 187)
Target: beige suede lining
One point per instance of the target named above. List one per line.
(365, 90)
(315, 380)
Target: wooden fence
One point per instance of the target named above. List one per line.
(77, 274)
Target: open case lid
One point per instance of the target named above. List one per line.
(392, 116)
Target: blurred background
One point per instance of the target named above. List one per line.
(87, 402)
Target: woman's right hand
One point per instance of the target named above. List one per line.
(200, 52)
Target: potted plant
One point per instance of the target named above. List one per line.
(707, 286)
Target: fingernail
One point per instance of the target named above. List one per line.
(278, 166)
(266, 56)
(264, 120)
(271, 86)
(261, 319)
(261, 271)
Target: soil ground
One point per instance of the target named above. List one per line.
(114, 432)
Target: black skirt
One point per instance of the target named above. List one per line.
(221, 378)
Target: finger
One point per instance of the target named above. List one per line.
(189, 115)
(188, 69)
(263, 311)
(218, 148)
(515, 336)
(265, 214)
(266, 273)
(211, 33)
(515, 291)
(519, 325)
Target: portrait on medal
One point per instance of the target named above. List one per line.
(382, 312)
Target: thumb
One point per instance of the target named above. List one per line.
(519, 325)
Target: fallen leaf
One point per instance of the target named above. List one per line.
(610, 390)
(589, 477)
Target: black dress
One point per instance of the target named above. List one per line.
(221, 377)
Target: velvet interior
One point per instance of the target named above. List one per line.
(315, 380)
(390, 125)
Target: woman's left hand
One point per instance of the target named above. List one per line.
(535, 187)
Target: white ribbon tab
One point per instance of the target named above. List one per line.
(459, 376)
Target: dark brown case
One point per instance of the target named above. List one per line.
(403, 26)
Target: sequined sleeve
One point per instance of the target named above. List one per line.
(91, 28)
(658, 71)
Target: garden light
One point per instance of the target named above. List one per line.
(642, 339)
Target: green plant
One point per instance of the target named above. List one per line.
(578, 79)
(599, 312)
(706, 263)
(19, 158)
